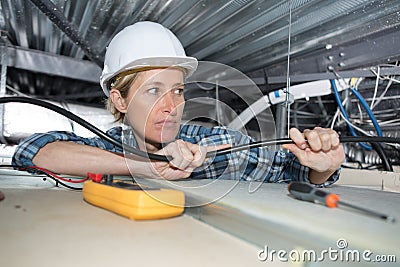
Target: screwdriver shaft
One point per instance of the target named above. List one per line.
(367, 211)
(309, 193)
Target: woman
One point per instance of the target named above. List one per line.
(143, 75)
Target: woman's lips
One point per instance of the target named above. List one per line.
(167, 123)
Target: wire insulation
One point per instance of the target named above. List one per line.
(83, 123)
(343, 139)
(344, 113)
(101, 134)
(43, 170)
(368, 110)
(53, 176)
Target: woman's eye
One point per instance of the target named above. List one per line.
(178, 91)
(153, 91)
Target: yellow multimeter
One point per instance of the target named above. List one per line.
(130, 200)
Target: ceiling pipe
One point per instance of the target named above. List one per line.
(57, 17)
(3, 83)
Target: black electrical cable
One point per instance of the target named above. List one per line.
(103, 135)
(387, 165)
(58, 181)
(343, 139)
(47, 174)
(83, 123)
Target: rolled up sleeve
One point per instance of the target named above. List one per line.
(26, 151)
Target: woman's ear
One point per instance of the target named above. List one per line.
(118, 101)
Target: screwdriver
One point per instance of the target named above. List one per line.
(307, 192)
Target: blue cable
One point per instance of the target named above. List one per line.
(343, 111)
(368, 110)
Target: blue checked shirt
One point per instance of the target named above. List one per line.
(256, 164)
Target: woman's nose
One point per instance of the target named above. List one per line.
(168, 103)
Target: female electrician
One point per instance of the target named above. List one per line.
(143, 76)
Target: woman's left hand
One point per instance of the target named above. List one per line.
(322, 152)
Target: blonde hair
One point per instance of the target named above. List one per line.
(123, 85)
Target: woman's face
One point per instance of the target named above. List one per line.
(156, 105)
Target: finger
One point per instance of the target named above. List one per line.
(199, 155)
(297, 151)
(329, 138)
(173, 150)
(325, 139)
(200, 152)
(335, 141)
(314, 142)
(298, 138)
(185, 153)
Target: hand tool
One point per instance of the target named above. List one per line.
(307, 192)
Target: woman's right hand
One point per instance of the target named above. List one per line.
(186, 157)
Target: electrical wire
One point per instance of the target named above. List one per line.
(58, 179)
(15, 91)
(61, 183)
(385, 77)
(83, 123)
(378, 147)
(368, 110)
(95, 130)
(355, 127)
(336, 116)
(360, 112)
(344, 113)
(54, 177)
(376, 87)
(382, 95)
(387, 165)
(342, 139)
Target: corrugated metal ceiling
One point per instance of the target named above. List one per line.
(250, 35)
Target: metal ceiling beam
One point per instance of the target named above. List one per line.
(334, 32)
(385, 71)
(57, 17)
(380, 48)
(51, 64)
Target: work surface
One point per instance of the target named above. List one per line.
(54, 227)
(266, 214)
(49, 227)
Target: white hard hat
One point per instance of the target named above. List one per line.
(142, 45)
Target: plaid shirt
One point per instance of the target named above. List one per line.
(256, 164)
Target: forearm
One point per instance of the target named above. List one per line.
(76, 159)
